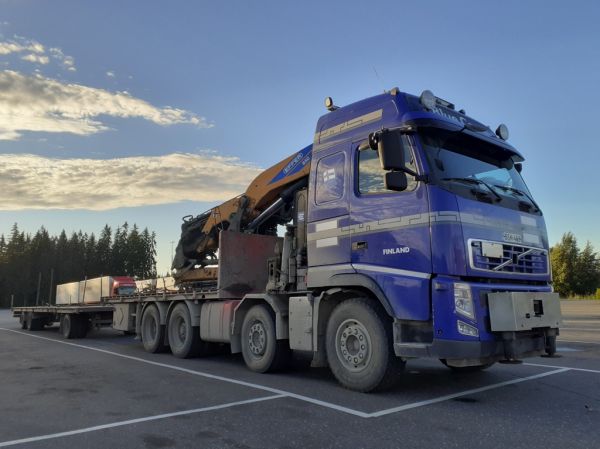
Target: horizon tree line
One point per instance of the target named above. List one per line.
(41, 260)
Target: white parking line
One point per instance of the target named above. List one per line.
(340, 408)
(579, 341)
(585, 370)
(134, 421)
(447, 397)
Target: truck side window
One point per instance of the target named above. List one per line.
(370, 173)
(330, 178)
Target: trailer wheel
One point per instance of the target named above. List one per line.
(23, 320)
(82, 326)
(153, 334)
(184, 338)
(34, 324)
(66, 326)
(261, 350)
(359, 345)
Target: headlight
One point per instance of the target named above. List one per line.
(463, 302)
(467, 329)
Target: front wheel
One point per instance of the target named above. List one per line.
(360, 346)
(261, 350)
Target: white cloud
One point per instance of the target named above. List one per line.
(36, 52)
(66, 61)
(110, 74)
(38, 104)
(37, 59)
(36, 182)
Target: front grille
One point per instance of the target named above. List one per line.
(517, 259)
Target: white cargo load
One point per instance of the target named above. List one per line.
(84, 292)
(166, 284)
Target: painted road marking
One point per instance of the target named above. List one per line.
(579, 341)
(135, 421)
(557, 370)
(580, 329)
(585, 370)
(202, 374)
(447, 397)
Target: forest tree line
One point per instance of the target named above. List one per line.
(575, 271)
(24, 259)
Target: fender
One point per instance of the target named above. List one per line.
(359, 280)
(279, 304)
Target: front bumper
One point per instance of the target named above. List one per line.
(512, 321)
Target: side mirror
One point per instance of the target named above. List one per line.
(518, 167)
(391, 150)
(396, 181)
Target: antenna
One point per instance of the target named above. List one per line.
(377, 75)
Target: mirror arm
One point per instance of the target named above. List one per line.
(418, 177)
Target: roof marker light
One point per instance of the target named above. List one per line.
(329, 104)
(428, 99)
(502, 131)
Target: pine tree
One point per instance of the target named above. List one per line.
(104, 251)
(587, 271)
(563, 257)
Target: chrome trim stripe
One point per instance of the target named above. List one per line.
(337, 267)
(348, 125)
(323, 243)
(388, 270)
(326, 225)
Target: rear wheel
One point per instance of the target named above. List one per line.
(184, 338)
(261, 350)
(153, 334)
(360, 346)
(73, 325)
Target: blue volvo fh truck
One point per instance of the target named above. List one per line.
(425, 209)
(408, 232)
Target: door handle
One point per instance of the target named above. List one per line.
(359, 245)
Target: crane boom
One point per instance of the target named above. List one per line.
(258, 210)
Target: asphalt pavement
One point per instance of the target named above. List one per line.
(105, 391)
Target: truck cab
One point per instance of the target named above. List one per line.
(425, 208)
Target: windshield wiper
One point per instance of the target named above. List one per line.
(520, 193)
(478, 182)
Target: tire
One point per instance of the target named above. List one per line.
(261, 350)
(23, 321)
(153, 334)
(82, 326)
(359, 344)
(184, 338)
(468, 369)
(35, 324)
(66, 326)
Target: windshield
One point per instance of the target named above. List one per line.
(126, 290)
(461, 164)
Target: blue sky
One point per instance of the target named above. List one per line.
(110, 95)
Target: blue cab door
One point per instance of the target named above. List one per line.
(390, 233)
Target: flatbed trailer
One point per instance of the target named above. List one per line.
(75, 320)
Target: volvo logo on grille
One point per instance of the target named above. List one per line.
(510, 237)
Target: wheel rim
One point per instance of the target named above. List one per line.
(257, 338)
(151, 328)
(179, 330)
(353, 345)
